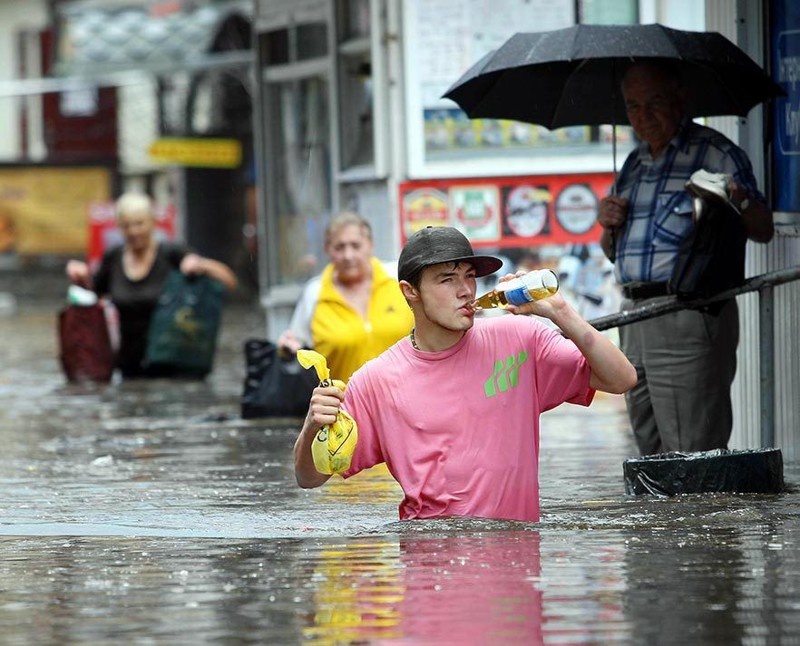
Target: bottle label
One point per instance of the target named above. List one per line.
(533, 286)
(518, 295)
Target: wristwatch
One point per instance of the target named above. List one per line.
(744, 204)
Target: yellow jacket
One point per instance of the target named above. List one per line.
(345, 339)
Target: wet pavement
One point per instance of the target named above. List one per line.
(148, 512)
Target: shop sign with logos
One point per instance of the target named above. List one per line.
(508, 211)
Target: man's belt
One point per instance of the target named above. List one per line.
(638, 291)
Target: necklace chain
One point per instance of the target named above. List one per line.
(413, 340)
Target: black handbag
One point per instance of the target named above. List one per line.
(711, 257)
(274, 386)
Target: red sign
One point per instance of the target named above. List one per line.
(104, 233)
(509, 211)
(425, 207)
(165, 8)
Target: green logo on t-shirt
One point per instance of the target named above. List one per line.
(505, 374)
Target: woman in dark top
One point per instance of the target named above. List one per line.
(133, 274)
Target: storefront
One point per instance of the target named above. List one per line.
(158, 94)
(767, 31)
(350, 98)
(350, 94)
(351, 117)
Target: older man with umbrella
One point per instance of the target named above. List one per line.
(685, 360)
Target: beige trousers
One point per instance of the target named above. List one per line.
(686, 362)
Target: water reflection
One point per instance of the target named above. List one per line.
(358, 587)
(150, 513)
(441, 582)
(430, 590)
(699, 583)
(721, 584)
(473, 589)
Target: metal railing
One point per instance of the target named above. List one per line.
(764, 285)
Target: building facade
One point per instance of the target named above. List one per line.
(336, 104)
(153, 95)
(351, 117)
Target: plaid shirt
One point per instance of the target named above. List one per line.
(660, 213)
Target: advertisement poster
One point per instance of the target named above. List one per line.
(474, 28)
(43, 208)
(508, 212)
(786, 72)
(437, 57)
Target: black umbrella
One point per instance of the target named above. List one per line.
(572, 76)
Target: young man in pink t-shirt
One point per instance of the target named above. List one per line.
(453, 409)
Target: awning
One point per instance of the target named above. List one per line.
(130, 42)
(128, 36)
(89, 79)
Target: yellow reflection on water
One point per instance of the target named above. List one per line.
(358, 592)
(427, 589)
(375, 485)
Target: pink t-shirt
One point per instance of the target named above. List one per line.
(459, 429)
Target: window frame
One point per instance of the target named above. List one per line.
(371, 45)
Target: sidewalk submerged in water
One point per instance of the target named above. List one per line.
(152, 510)
(42, 281)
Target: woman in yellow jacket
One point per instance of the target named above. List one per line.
(354, 310)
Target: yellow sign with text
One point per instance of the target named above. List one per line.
(206, 153)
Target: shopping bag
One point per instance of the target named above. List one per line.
(85, 344)
(275, 385)
(182, 337)
(333, 446)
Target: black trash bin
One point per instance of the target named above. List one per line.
(741, 471)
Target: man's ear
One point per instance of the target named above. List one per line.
(409, 291)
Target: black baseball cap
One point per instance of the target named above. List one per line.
(434, 245)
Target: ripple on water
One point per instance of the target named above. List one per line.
(149, 512)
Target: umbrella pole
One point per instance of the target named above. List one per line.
(614, 155)
(613, 232)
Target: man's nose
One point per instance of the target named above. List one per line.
(465, 287)
(648, 110)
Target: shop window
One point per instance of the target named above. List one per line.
(292, 44)
(356, 110)
(300, 161)
(356, 87)
(608, 12)
(295, 60)
(443, 141)
(275, 47)
(312, 41)
(353, 18)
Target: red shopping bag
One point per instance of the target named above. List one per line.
(85, 343)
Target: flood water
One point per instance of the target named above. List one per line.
(150, 513)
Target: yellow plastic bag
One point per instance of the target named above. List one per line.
(332, 449)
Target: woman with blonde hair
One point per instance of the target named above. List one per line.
(354, 310)
(133, 274)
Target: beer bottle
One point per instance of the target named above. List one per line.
(533, 286)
